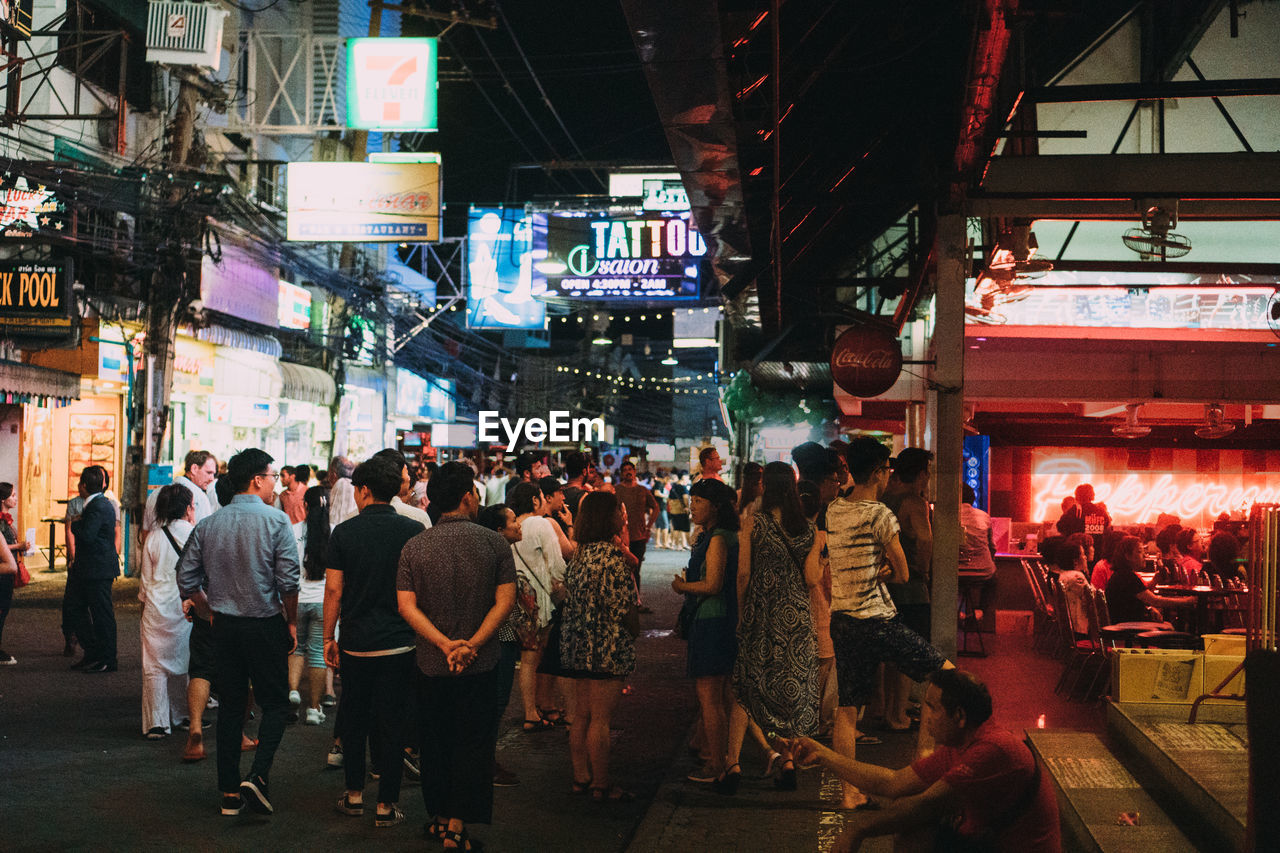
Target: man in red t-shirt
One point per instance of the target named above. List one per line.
(979, 790)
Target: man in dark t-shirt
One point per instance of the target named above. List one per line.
(979, 770)
(376, 652)
(1085, 516)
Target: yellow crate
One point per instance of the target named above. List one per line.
(1162, 676)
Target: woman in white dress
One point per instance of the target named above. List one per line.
(540, 561)
(165, 630)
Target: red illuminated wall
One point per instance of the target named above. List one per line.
(1137, 484)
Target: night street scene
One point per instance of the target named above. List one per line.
(639, 425)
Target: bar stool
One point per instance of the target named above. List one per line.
(969, 625)
(1167, 639)
(1125, 632)
(54, 548)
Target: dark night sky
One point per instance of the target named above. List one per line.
(584, 58)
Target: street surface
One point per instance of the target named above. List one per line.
(78, 775)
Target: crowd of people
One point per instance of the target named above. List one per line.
(426, 589)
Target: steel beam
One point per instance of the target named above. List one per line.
(1155, 91)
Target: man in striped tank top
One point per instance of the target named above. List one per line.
(865, 553)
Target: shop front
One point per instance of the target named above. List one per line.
(362, 413)
(306, 414)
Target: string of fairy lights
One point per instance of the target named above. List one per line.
(581, 316)
(643, 383)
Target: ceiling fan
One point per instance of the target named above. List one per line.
(1131, 428)
(1215, 424)
(1155, 240)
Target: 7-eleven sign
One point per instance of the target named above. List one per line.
(391, 83)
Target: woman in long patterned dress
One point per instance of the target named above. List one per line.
(775, 675)
(597, 640)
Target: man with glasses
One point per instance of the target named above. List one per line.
(240, 567)
(865, 553)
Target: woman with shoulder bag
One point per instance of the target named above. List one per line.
(166, 633)
(710, 587)
(13, 574)
(598, 640)
(538, 562)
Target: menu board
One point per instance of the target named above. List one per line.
(92, 442)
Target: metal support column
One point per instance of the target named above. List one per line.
(948, 375)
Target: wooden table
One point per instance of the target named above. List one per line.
(1203, 594)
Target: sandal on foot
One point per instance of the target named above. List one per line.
(580, 787)
(554, 716)
(194, 750)
(386, 819)
(346, 807)
(612, 794)
(538, 725)
(156, 734)
(435, 829)
(463, 841)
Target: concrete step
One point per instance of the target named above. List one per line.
(1199, 772)
(1094, 790)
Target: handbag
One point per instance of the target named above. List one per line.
(675, 506)
(23, 577)
(524, 616)
(684, 619)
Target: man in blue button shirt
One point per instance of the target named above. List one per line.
(241, 564)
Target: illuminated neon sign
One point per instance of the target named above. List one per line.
(1140, 497)
(621, 257)
(391, 83)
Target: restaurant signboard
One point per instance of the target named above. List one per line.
(866, 360)
(364, 202)
(36, 302)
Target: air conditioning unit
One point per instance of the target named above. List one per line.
(185, 33)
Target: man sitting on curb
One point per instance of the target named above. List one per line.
(980, 790)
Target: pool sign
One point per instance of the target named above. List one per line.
(36, 301)
(391, 83)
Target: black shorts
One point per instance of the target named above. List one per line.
(203, 658)
(917, 617)
(863, 644)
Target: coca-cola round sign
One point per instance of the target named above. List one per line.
(866, 360)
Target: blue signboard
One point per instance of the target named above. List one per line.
(977, 468)
(499, 275)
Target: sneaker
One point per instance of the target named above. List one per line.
(391, 818)
(295, 698)
(504, 778)
(703, 774)
(254, 792)
(212, 704)
(314, 717)
(328, 701)
(232, 804)
(335, 756)
(412, 769)
(345, 806)
(7, 659)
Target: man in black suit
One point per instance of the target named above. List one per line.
(94, 569)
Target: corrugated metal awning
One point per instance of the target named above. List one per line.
(224, 337)
(26, 383)
(307, 384)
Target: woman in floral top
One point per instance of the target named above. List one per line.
(597, 641)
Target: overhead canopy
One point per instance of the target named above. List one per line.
(307, 384)
(28, 380)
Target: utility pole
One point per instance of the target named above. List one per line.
(175, 281)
